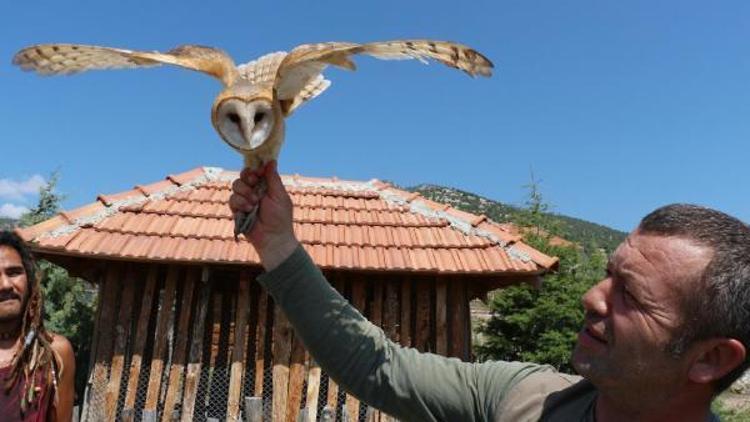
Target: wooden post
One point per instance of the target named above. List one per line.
(296, 378)
(333, 389)
(253, 409)
(441, 317)
(376, 305)
(313, 389)
(458, 315)
(141, 334)
(260, 348)
(282, 344)
(422, 333)
(196, 351)
(122, 329)
(405, 323)
(174, 387)
(241, 316)
(391, 314)
(111, 291)
(359, 300)
(166, 308)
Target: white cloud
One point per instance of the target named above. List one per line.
(12, 211)
(17, 190)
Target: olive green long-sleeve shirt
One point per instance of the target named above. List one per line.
(405, 383)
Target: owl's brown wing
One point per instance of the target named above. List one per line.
(306, 62)
(264, 69)
(54, 59)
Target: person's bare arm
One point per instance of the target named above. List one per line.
(63, 411)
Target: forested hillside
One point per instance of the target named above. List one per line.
(7, 223)
(574, 229)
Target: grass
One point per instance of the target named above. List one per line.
(728, 410)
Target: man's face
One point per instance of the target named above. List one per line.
(634, 313)
(13, 285)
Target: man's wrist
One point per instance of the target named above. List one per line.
(276, 252)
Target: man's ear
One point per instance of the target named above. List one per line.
(715, 358)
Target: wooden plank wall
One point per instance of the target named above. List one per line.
(168, 349)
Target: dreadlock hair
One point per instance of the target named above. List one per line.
(35, 359)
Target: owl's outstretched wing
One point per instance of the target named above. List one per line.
(305, 63)
(55, 59)
(264, 70)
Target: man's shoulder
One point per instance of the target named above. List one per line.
(544, 393)
(63, 348)
(60, 343)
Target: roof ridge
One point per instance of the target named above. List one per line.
(419, 206)
(111, 208)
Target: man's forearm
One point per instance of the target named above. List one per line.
(400, 381)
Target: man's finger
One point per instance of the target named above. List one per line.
(241, 188)
(238, 203)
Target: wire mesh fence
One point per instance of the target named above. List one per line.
(184, 343)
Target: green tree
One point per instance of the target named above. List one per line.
(541, 324)
(69, 302)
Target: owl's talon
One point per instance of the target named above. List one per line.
(243, 222)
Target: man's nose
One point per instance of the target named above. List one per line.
(597, 299)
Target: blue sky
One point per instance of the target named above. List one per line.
(618, 107)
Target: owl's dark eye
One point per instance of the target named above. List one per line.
(258, 117)
(234, 118)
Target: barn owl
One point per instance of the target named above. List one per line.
(249, 112)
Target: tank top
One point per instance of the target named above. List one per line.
(10, 403)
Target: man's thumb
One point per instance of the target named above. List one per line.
(273, 180)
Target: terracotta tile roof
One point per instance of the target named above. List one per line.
(343, 224)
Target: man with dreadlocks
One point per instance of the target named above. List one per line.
(36, 367)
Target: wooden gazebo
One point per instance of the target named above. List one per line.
(183, 332)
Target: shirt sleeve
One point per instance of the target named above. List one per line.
(400, 381)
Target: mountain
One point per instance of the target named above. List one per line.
(573, 229)
(7, 223)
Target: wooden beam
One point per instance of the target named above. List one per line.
(359, 300)
(405, 323)
(422, 333)
(391, 315)
(460, 337)
(241, 316)
(282, 344)
(196, 350)
(111, 289)
(222, 330)
(177, 368)
(122, 330)
(376, 304)
(166, 309)
(260, 342)
(441, 317)
(313, 389)
(141, 335)
(296, 378)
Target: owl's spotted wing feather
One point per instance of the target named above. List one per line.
(265, 68)
(303, 64)
(262, 69)
(54, 59)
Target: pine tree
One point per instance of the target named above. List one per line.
(541, 325)
(69, 302)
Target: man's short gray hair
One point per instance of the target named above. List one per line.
(720, 305)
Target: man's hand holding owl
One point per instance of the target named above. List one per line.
(272, 235)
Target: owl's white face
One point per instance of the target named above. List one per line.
(245, 125)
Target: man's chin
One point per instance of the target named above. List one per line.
(9, 313)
